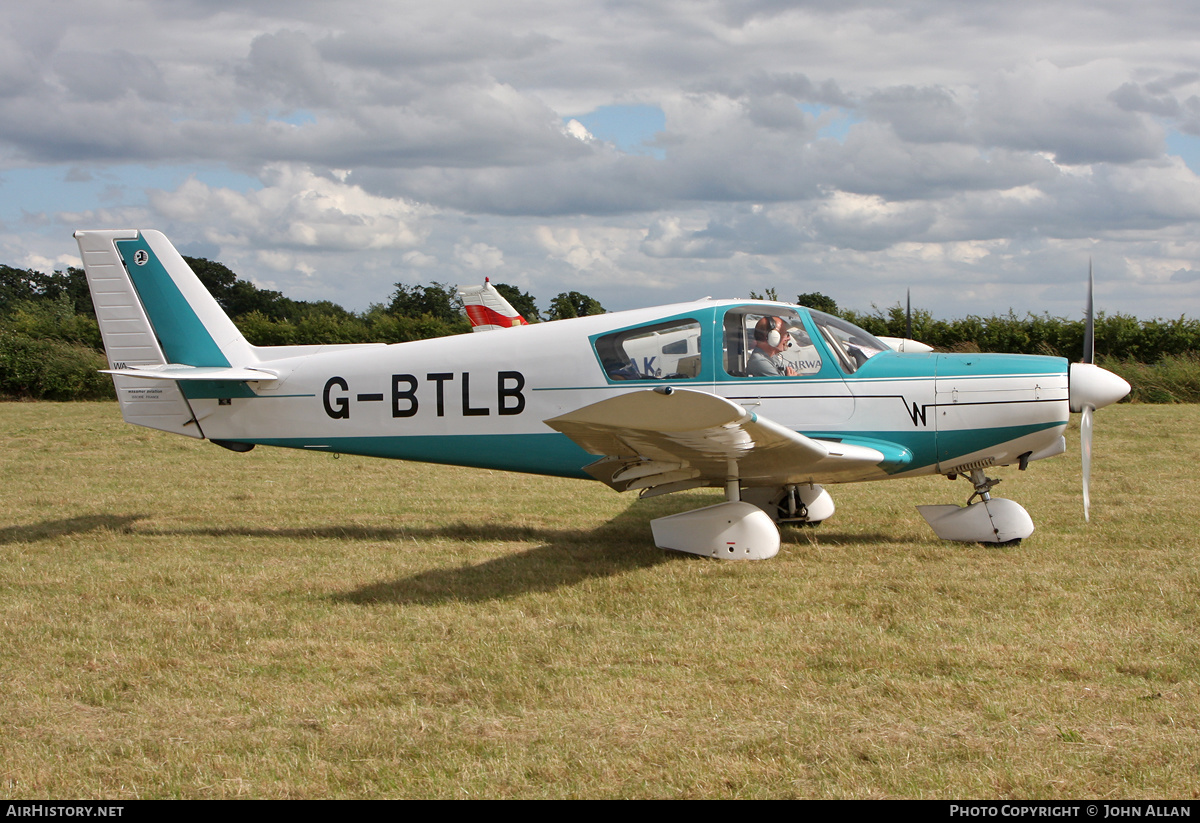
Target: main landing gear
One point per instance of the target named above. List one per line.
(795, 505)
(744, 526)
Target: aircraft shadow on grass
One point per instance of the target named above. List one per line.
(566, 558)
(49, 529)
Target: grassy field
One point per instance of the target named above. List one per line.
(180, 621)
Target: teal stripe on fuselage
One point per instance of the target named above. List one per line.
(898, 366)
(928, 448)
(986, 366)
(954, 444)
(556, 455)
(215, 389)
(550, 454)
(183, 337)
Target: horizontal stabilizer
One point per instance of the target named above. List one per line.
(175, 371)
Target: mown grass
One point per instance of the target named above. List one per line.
(180, 621)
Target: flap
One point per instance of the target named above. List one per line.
(667, 435)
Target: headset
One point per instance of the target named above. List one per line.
(769, 330)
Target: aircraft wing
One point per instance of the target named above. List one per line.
(667, 439)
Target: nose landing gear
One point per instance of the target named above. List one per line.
(992, 520)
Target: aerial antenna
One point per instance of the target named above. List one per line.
(908, 314)
(1089, 329)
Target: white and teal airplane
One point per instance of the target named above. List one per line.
(654, 400)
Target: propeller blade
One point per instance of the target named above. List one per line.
(908, 315)
(1085, 440)
(1091, 388)
(1089, 331)
(1085, 425)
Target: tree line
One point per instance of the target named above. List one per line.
(50, 345)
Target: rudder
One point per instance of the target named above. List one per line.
(154, 311)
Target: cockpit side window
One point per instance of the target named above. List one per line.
(663, 351)
(751, 350)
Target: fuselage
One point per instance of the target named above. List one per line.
(481, 399)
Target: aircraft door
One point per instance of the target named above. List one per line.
(773, 363)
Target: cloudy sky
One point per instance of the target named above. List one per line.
(640, 151)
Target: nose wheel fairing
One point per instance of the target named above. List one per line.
(997, 520)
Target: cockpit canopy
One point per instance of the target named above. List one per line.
(850, 345)
(800, 343)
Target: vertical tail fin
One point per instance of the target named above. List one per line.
(154, 311)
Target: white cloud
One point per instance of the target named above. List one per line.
(595, 249)
(980, 143)
(478, 256)
(577, 130)
(668, 238)
(418, 259)
(297, 208)
(49, 265)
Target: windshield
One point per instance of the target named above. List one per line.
(851, 345)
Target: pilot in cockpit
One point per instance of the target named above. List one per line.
(771, 340)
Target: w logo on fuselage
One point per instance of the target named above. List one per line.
(918, 413)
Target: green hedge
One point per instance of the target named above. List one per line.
(48, 353)
(1118, 335)
(51, 369)
(374, 326)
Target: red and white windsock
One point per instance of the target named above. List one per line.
(487, 309)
